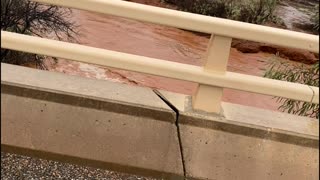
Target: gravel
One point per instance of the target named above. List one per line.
(17, 167)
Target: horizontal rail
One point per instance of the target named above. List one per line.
(195, 22)
(158, 67)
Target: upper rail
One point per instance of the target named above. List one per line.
(195, 22)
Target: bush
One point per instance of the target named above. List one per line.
(256, 11)
(251, 11)
(26, 17)
(299, 74)
(217, 8)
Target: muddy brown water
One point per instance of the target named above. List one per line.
(157, 41)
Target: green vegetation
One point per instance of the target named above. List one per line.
(300, 74)
(26, 17)
(252, 11)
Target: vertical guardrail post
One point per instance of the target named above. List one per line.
(208, 98)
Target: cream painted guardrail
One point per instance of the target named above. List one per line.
(212, 78)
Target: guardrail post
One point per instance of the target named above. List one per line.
(208, 98)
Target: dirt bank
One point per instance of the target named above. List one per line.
(297, 55)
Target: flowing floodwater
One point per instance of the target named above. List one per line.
(156, 41)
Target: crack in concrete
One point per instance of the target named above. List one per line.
(177, 126)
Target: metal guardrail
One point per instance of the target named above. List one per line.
(212, 78)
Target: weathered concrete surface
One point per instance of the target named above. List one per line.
(247, 143)
(88, 122)
(271, 119)
(215, 154)
(90, 89)
(130, 129)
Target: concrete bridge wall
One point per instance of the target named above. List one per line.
(154, 133)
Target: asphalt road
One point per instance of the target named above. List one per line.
(16, 167)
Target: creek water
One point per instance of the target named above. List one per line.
(157, 41)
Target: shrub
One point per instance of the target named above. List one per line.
(26, 17)
(217, 8)
(256, 11)
(252, 11)
(300, 74)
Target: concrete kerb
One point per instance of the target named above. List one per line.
(83, 113)
(244, 142)
(89, 89)
(89, 122)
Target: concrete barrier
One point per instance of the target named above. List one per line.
(89, 122)
(148, 132)
(246, 143)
